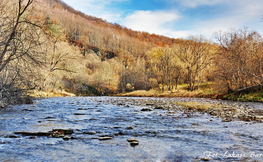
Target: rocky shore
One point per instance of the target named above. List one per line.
(228, 111)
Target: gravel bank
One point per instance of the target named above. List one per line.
(228, 111)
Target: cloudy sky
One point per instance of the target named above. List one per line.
(176, 18)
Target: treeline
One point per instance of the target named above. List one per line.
(48, 46)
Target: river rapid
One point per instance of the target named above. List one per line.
(162, 135)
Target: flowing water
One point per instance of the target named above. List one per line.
(162, 135)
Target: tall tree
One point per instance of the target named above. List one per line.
(240, 58)
(195, 53)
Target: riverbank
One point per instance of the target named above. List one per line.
(206, 90)
(228, 111)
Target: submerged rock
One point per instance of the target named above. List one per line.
(13, 136)
(134, 143)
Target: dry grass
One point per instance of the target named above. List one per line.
(41, 94)
(205, 90)
(197, 105)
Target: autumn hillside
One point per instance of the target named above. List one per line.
(47, 46)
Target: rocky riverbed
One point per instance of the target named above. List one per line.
(129, 129)
(227, 110)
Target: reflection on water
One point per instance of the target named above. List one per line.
(162, 135)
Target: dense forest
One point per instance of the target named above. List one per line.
(48, 46)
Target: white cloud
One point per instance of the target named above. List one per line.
(240, 14)
(151, 21)
(231, 14)
(234, 13)
(98, 8)
(196, 3)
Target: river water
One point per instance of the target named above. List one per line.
(162, 135)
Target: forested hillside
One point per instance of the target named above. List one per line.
(48, 46)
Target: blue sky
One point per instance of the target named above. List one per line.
(176, 18)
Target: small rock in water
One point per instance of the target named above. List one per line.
(2, 142)
(105, 138)
(146, 109)
(135, 143)
(27, 110)
(12, 136)
(82, 109)
(132, 140)
(226, 120)
(90, 132)
(57, 134)
(66, 138)
(79, 114)
(131, 127)
(159, 107)
(205, 159)
(64, 131)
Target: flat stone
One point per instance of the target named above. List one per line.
(34, 133)
(82, 109)
(50, 117)
(79, 114)
(105, 138)
(65, 131)
(146, 109)
(90, 132)
(132, 140)
(27, 110)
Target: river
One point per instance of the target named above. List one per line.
(162, 135)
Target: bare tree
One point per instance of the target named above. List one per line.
(240, 58)
(20, 46)
(195, 54)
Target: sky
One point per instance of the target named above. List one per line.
(177, 18)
